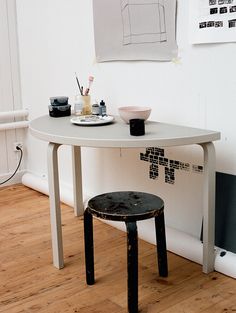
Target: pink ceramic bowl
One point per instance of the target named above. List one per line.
(130, 112)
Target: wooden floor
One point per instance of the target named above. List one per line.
(29, 283)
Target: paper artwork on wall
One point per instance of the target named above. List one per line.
(134, 30)
(212, 21)
(156, 156)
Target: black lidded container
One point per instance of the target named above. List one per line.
(59, 107)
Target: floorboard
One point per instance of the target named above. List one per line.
(29, 283)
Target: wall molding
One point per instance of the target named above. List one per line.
(17, 179)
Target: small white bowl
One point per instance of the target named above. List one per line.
(129, 112)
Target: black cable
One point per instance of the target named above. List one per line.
(21, 155)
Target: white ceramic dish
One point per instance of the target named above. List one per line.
(130, 112)
(92, 120)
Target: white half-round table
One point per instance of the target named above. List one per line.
(60, 131)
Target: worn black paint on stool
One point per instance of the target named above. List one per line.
(130, 207)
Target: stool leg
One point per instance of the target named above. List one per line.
(161, 245)
(88, 244)
(132, 259)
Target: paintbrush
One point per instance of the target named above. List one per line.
(80, 89)
(91, 78)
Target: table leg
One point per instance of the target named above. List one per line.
(208, 207)
(77, 181)
(55, 209)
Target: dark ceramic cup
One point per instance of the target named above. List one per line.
(137, 127)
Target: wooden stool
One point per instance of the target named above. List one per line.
(129, 207)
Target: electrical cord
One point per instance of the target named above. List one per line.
(21, 155)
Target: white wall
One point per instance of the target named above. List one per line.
(10, 92)
(56, 39)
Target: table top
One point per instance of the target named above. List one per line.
(115, 135)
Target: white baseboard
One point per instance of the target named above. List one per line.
(178, 242)
(16, 179)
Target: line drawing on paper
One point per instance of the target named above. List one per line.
(143, 21)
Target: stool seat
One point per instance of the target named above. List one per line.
(126, 206)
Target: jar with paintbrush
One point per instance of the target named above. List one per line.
(83, 100)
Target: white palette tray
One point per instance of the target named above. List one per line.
(92, 120)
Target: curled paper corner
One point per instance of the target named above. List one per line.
(176, 60)
(95, 60)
